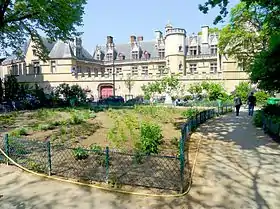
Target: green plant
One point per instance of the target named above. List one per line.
(189, 113)
(113, 181)
(76, 119)
(257, 120)
(80, 153)
(150, 138)
(138, 157)
(96, 148)
(272, 110)
(19, 132)
(34, 166)
(261, 97)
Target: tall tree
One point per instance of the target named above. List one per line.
(246, 34)
(273, 6)
(265, 69)
(129, 83)
(21, 19)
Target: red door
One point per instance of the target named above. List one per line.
(106, 91)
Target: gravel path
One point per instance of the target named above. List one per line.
(238, 167)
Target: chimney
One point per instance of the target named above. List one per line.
(132, 39)
(158, 35)
(204, 34)
(140, 38)
(109, 39)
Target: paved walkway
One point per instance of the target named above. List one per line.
(238, 167)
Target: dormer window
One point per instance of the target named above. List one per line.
(161, 53)
(193, 50)
(135, 55)
(214, 49)
(98, 56)
(109, 56)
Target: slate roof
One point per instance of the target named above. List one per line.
(125, 49)
(58, 49)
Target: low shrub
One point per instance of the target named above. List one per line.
(19, 132)
(261, 97)
(80, 153)
(189, 113)
(257, 120)
(272, 110)
(150, 138)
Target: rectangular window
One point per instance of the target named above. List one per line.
(145, 70)
(161, 53)
(213, 67)
(161, 70)
(193, 50)
(193, 68)
(213, 49)
(98, 56)
(134, 70)
(95, 72)
(119, 71)
(109, 56)
(89, 71)
(37, 68)
(135, 55)
(53, 66)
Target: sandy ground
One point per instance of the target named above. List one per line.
(238, 167)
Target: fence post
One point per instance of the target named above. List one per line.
(226, 109)
(7, 146)
(49, 158)
(196, 120)
(107, 164)
(182, 164)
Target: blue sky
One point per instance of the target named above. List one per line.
(123, 18)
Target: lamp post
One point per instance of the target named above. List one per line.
(114, 74)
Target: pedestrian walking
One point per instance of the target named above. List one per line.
(237, 104)
(251, 103)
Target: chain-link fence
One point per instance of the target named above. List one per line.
(116, 168)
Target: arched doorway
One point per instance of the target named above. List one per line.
(105, 90)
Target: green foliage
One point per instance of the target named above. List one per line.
(213, 90)
(243, 90)
(245, 35)
(19, 132)
(20, 20)
(11, 87)
(35, 166)
(271, 9)
(272, 110)
(80, 153)
(150, 138)
(195, 89)
(138, 157)
(8, 119)
(265, 69)
(189, 113)
(73, 95)
(257, 120)
(170, 84)
(261, 97)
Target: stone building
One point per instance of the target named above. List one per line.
(194, 57)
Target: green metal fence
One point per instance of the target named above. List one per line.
(271, 126)
(110, 166)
